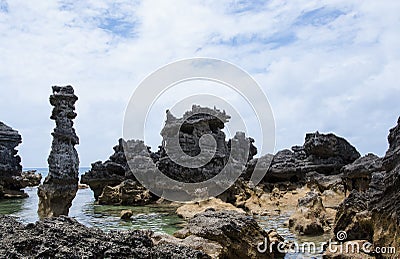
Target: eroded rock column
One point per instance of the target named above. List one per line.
(61, 184)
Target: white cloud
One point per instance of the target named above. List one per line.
(328, 66)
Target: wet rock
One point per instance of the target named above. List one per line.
(126, 214)
(310, 217)
(61, 184)
(238, 234)
(64, 237)
(357, 175)
(188, 210)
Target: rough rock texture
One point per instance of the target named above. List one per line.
(129, 192)
(64, 237)
(189, 129)
(12, 179)
(374, 215)
(321, 153)
(310, 217)
(113, 181)
(357, 175)
(188, 210)
(237, 233)
(105, 178)
(61, 184)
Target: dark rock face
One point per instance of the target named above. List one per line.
(374, 215)
(12, 179)
(324, 154)
(10, 162)
(237, 233)
(357, 175)
(64, 237)
(61, 184)
(113, 182)
(133, 157)
(189, 130)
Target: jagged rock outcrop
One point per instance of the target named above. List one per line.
(114, 183)
(310, 217)
(61, 184)
(374, 215)
(134, 158)
(324, 154)
(357, 175)
(189, 130)
(64, 237)
(12, 179)
(237, 233)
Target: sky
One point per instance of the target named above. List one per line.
(331, 66)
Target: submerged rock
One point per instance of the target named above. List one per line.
(61, 184)
(64, 237)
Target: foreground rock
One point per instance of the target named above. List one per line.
(310, 217)
(64, 237)
(238, 235)
(61, 184)
(374, 215)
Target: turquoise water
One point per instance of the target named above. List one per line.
(159, 218)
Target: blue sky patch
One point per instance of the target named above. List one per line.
(118, 26)
(318, 17)
(3, 6)
(241, 6)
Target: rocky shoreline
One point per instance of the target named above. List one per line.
(325, 185)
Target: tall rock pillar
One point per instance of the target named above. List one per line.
(61, 184)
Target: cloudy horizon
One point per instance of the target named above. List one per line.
(326, 66)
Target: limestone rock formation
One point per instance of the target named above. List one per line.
(357, 175)
(237, 233)
(188, 210)
(310, 217)
(64, 237)
(133, 157)
(324, 154)
(189, 130)
(374, 215)
(114, 183)
(61, 184)
(12, 179)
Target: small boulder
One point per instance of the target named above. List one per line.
(126, 214)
